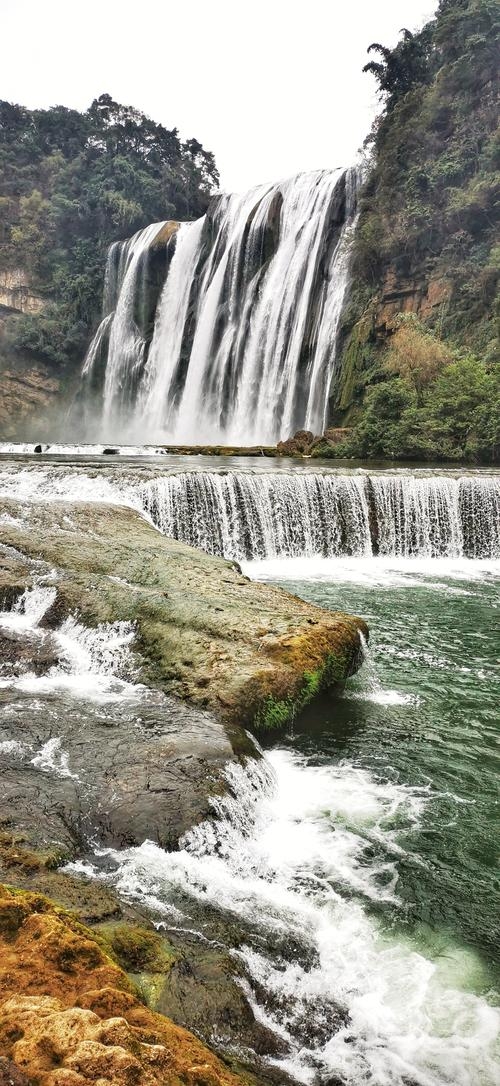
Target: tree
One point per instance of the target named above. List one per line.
(403, 67)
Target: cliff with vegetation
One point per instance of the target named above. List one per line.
(419, 374)
(70, 184)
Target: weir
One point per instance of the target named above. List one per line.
(244, 515)
(224, 329)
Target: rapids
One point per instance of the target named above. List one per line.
(351, 872)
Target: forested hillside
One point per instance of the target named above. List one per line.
(70, 184)
(419, 359)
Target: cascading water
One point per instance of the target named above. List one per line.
(244, 338)
(250, 516)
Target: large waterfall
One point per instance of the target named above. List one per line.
(268, 515)
(224, 330)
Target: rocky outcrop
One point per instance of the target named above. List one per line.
(124, 777)
(69, 1015)
(189, 978)
(304, 443)
(252, 653)
(27, 396)
(16, 292)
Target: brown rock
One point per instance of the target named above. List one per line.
(69, 1016)
(11, 1075)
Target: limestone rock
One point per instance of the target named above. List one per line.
(251, 652)
(68, 1014)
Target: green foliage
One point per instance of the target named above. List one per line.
(456, 417)
(428, 232)
(72, 183)
(276, 714)
(401, 68)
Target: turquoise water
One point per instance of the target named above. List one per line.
(424, 712)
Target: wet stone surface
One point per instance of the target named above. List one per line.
(116, 775)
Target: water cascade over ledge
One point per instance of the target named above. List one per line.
(224, 330)
(267, 515)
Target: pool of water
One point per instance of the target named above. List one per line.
(424, 712)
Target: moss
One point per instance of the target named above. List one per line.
(136, 949)
(276, 714)
(356, 357)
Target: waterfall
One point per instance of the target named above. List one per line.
(244, 515)
(239, 345)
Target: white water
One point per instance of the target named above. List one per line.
(437, 574)
(314, 515)
(29, 610)
(90, 660)
(402, 523)
(126, 348)
(287, 856)
(52, 759)
(245, 335)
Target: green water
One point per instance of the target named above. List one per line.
(425, 713)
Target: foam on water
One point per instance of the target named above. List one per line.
(372, 571)
(52, 759)
(300, 850)
(49, 485)
(28, 610)
(11, 746)
(90, 660)
(368, 686)
(27, 448)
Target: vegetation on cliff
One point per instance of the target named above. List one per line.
(419, 343)
(72, 183)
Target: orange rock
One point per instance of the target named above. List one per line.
(69, 1016)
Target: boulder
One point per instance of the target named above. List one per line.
(252, 653)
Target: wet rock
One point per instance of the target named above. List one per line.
(253, 653)
(203, 988)
(69, 1014)
(193, 981)
(22, 654)
(120, 777)
(298, 445)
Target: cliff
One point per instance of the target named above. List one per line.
(70, 185)
(419, 340)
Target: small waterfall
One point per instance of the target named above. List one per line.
(242, 515)
(267, 515)
(240, 346)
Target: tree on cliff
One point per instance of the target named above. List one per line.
(72, 183)
(426, 244)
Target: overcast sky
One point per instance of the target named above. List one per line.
(272, 87)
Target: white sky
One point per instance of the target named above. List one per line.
(271, 88)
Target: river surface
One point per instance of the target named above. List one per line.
(354, 871)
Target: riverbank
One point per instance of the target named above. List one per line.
(296, 925)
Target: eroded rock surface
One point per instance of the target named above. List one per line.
(253, 653)
(144, 770)
(75, 1018)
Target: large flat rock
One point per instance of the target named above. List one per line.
(253, 653)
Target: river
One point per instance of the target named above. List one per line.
(354, 870)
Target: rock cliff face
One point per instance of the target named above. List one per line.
(33, 393)
(16, 292)
(427, 237)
